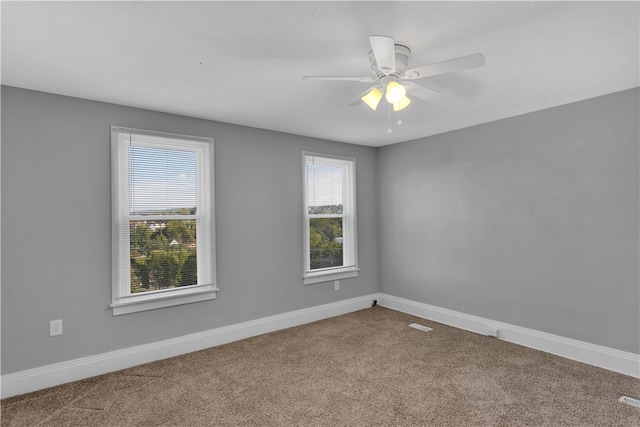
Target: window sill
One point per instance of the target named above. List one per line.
(329, 275)
(161, 300)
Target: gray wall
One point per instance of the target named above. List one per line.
(531, 220)
(56, 236)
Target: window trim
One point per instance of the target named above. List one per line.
(350, 234)
(125, 302)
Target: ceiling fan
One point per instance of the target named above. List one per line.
(389, 65)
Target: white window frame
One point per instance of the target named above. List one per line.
(349, 227)
(123, 301)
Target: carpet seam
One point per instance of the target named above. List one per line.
(70, 403)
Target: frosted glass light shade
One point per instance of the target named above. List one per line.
(373, 98)
(395, 92)
(402, 104)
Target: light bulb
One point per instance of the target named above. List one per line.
(395, 92)
(372, 98)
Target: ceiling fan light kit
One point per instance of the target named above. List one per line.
(389, 62)
(395, 94)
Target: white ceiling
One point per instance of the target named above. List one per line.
(242, 62)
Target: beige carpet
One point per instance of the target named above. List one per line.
(366, 368)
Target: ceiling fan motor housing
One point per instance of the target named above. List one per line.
(402, 59)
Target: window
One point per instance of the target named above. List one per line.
(330, 218)
(162, 220)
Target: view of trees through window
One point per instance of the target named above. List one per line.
(325, 237)
(163, 254)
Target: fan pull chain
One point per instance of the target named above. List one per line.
(399, 122)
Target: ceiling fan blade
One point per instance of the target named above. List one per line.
(384, 50)
(449, 66)
(420, 91)
(341, 78)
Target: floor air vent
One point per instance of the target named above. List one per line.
(630, 401)
(420, 327)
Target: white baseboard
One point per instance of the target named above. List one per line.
(86, 367)
(592, 354)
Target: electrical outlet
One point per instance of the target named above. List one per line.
(55, 327)
(336, 285)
